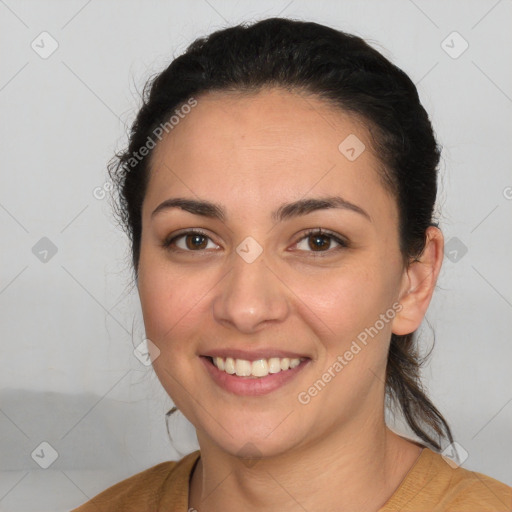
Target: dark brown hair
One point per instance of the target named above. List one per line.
(345, 71)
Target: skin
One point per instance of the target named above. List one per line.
(250, 154)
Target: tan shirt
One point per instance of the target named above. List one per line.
(430, 485)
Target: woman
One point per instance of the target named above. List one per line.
(278, 192)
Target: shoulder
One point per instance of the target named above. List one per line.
(435, 484)
(473, 491)
(147, 489)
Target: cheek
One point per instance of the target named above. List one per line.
(344, 300)
(176, 305)
(172, 311)
(344, 309)
(167, 301)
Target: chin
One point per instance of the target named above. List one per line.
(251, 439)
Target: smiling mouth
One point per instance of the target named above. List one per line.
(256, 369)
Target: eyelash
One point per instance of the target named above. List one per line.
(343, 244)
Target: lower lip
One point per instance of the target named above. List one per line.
(251, 386)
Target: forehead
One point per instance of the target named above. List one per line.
(269, 121)
(264, 146)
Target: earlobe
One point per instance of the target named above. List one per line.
(419, 283)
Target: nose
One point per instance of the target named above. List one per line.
(250, 296)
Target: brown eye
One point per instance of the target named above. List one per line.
(320, 241)
(190, 241)
(196, 241)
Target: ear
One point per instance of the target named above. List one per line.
(418, 284)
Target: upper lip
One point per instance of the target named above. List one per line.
(253, 355)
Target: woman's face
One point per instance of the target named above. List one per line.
(254, 285)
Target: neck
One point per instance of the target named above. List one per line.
(357, 471)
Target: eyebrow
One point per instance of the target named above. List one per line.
(284, 212)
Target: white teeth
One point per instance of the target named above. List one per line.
(258, 368)
(229, 365)
(274, 365)
(243, 368)
(294, 363)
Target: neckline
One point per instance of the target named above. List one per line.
(412, 482)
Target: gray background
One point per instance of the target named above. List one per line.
(70, 320)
